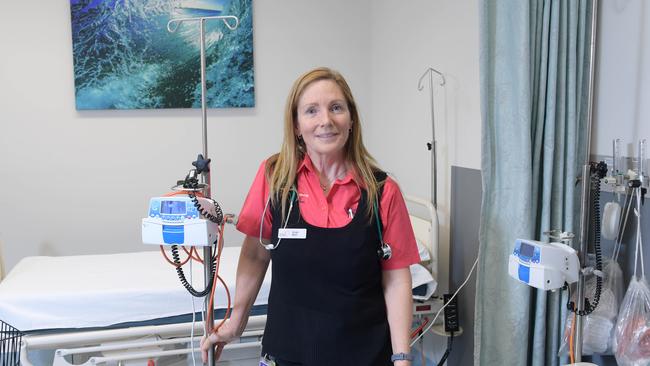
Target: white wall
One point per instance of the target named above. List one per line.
(622, 104)
(406, 40)
(79, 182)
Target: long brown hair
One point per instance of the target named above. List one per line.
(281, 167)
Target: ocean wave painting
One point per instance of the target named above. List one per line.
(124, 57)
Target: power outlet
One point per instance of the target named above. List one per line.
(452, 323)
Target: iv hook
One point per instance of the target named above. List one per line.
(173, 24)
(429, 70)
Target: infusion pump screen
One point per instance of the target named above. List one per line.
(527, 250)
(172, 207)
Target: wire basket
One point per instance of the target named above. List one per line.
(10, 338)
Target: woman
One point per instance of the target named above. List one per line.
(318, 209)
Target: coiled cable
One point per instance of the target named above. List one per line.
(191, 182)
(597, 173)
(185, 283)
(217, 218)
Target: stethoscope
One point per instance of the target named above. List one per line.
(384, 252)
(272, 246)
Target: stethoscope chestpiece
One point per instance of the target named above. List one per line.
(385, 252)
(269, 246)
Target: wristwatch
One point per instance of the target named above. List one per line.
(401, 357)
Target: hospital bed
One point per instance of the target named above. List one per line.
(88, 303)
(130, 308)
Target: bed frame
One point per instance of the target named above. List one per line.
(128, 345)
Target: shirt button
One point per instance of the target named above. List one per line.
(323, 208)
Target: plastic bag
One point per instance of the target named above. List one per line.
(598, 327)
(614, 280)
(632, 334)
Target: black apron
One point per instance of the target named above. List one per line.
(326, 304)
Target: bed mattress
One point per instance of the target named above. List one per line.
(101, 290)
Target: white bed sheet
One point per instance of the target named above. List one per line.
(102, 290)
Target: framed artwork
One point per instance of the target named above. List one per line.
(125, 58)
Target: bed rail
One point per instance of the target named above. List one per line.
(10, 339)
(129, 340)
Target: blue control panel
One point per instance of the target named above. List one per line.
(173, 210)
(174, 213)
(527, 252)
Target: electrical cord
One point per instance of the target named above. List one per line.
(573, 329)
(217, 219)
(185, 283)
(191, 182)
(596, 183)
(448, 351)
(598, 172)
(217, 277)
(418, 330)
(448, 302)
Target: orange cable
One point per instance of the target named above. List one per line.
(419, 329)
(192, 252)
(217, 277)
(216, 271)
(571, 350)
(227, 315)
(162, 249)
(176, 193)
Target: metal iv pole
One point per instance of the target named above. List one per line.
(586, 191)
(172, 26)
(432, 145)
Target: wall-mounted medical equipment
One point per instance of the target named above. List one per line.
(177, 220)
(546, 266)
(556, 265)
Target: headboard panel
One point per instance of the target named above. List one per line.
(426, 232)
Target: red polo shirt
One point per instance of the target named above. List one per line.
(334, 210)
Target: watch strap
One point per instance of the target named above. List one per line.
(401, 357)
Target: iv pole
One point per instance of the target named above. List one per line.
(172, 26)
(431, 146)
(586, 191)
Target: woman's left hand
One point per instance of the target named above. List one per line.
(225, 334)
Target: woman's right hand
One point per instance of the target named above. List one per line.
(225, 334)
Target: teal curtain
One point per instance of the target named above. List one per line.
(534, 62)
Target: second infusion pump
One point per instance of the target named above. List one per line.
(546, 266)
(175, 220)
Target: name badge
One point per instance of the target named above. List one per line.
(292, 233)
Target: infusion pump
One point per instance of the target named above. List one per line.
(546, 266)
(175, 220)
